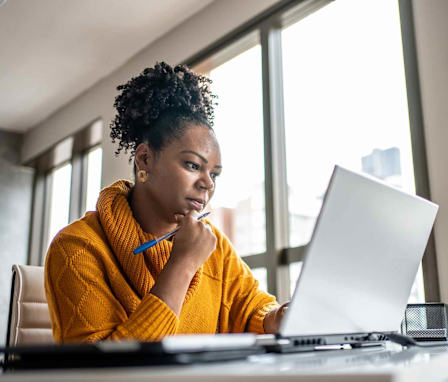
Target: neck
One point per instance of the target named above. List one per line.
(148, 214)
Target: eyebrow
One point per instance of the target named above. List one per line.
(198, 155)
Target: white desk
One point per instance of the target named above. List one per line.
(391, 363)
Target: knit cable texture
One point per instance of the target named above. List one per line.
(98, 289)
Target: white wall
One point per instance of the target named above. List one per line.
(16, 185)
(204, 28)
(430, 18)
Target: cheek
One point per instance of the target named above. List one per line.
(183, 181)
(174, 180)
(162, 184)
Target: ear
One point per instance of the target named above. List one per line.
(143, 156)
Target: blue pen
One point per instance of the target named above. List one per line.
(153, 242)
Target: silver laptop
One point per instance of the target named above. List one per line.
(360, 264)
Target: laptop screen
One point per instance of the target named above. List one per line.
(362, 259)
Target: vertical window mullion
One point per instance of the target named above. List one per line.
(429, 262)
(75, 195)
(83, 185)
(277, 230)
(37, 222)
(46, 216)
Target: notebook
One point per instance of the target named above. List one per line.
(359, 265)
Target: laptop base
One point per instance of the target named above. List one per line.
(281, 344)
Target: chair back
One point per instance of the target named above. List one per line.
(29, 320)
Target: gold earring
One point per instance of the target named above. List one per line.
(142, 176)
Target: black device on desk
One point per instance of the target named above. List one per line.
(426, 322)
(183, 349)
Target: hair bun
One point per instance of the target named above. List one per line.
(159, 93)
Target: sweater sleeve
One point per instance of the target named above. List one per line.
(82, 306)
(244, 303)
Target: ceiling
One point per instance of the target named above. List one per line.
(53, 50)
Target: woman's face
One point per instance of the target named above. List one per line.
(181, 177)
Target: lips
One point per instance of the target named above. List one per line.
(197, 204)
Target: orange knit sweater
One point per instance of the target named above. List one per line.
(98, 289)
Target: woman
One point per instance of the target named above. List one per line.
(98, 289)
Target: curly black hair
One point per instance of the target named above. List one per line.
(156, 106)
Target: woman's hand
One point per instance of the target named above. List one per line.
(272, 320)
(193, 243)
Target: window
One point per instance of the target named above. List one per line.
(261, 275)
(60, 180)
(238, 204)
(333, 89)
(294, 271)
(358, 79)
(94, 162)
(68, 181)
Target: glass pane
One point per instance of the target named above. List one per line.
(294, 273)
(238, 205)
(345, 103)
(94, 161)
(417, 291)
(261, 275)
(60, 200)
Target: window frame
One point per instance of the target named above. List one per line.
(267, 28)
(73, 150)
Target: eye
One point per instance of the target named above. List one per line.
(214, 175)
(192, 165)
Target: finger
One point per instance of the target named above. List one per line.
(189, 217)
(281, 310)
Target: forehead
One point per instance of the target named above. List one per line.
(197, 138)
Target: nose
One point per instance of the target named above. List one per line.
(206, 183)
